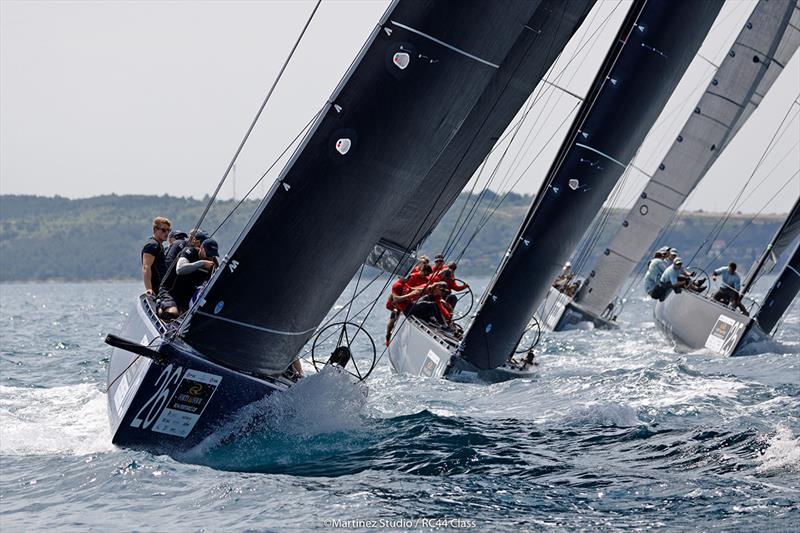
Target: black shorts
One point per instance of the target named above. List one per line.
(165, 299)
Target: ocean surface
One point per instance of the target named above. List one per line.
(617, 432)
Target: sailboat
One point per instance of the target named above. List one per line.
(650, 53)
(420, 95)
(695, 322)
(768, 40)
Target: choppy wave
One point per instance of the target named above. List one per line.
(616, 431)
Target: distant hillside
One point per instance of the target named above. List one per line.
(101, 238)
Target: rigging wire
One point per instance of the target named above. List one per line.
(258, 115)
(444, 188)
(753, 218)
(543, 88)
(264, 174)
(717, 229)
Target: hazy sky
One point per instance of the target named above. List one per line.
(153, 97)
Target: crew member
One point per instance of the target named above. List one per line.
(728, 293)
(194, 268)
(154, 264)
(670, 280)
(400, 297)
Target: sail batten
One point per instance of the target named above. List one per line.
(771, 36)
(374, 145)
(653, 49)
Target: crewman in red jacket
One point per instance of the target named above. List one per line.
(401, 296)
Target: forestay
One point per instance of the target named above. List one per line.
(655, 45)
(763, 47)
(546, 33)
(411, 88)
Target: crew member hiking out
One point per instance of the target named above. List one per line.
(400, 297)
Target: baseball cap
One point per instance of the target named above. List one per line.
(211, 247)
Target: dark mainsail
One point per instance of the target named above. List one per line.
(654, 47)
(781, 294)
(759, 54)
(414, 84)
(783, 238)
(545, 35)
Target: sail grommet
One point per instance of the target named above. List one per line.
(697, 110)
(401, 60)
(756, 59)
(713, 147)
(662, 166)
(574, 184)
(343, 145)
(624, 223)
(680, 138)
(732, 53)
(606, 252)
(715, 82)
(643, 195)
(488, 328)
(218, 307)
(643, 209)
(749, 25)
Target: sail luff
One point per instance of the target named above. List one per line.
(650, 57)
(416, 80)
(771, 36)
(781, 294)
(779, 242)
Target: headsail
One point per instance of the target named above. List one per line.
(763, 47)
(417, 79)
(783, 238)
(781, 294)
(655, 45)
(545, 35)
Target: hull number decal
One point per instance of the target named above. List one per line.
(187, 404)
(724, 335)
(169, 376)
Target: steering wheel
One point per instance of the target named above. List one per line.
(342, 335)
(464, 295)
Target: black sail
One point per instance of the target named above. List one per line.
(412, 86)
(657, 41)
(781, 294)
(783, 238)
(547, 32)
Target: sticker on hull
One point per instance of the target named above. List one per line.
(430, 364)
(724, 335)
(193, 394)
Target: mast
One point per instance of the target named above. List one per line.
(758, 55)
(411, 88)
(654, 47)
(781, 294)
(782, 239)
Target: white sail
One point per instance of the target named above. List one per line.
(764, 46)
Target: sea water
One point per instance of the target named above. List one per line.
(617, 431)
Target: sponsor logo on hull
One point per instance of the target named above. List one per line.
(724, 336)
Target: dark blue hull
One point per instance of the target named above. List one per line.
(171, 403)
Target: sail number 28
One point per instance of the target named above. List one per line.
(169, 377)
